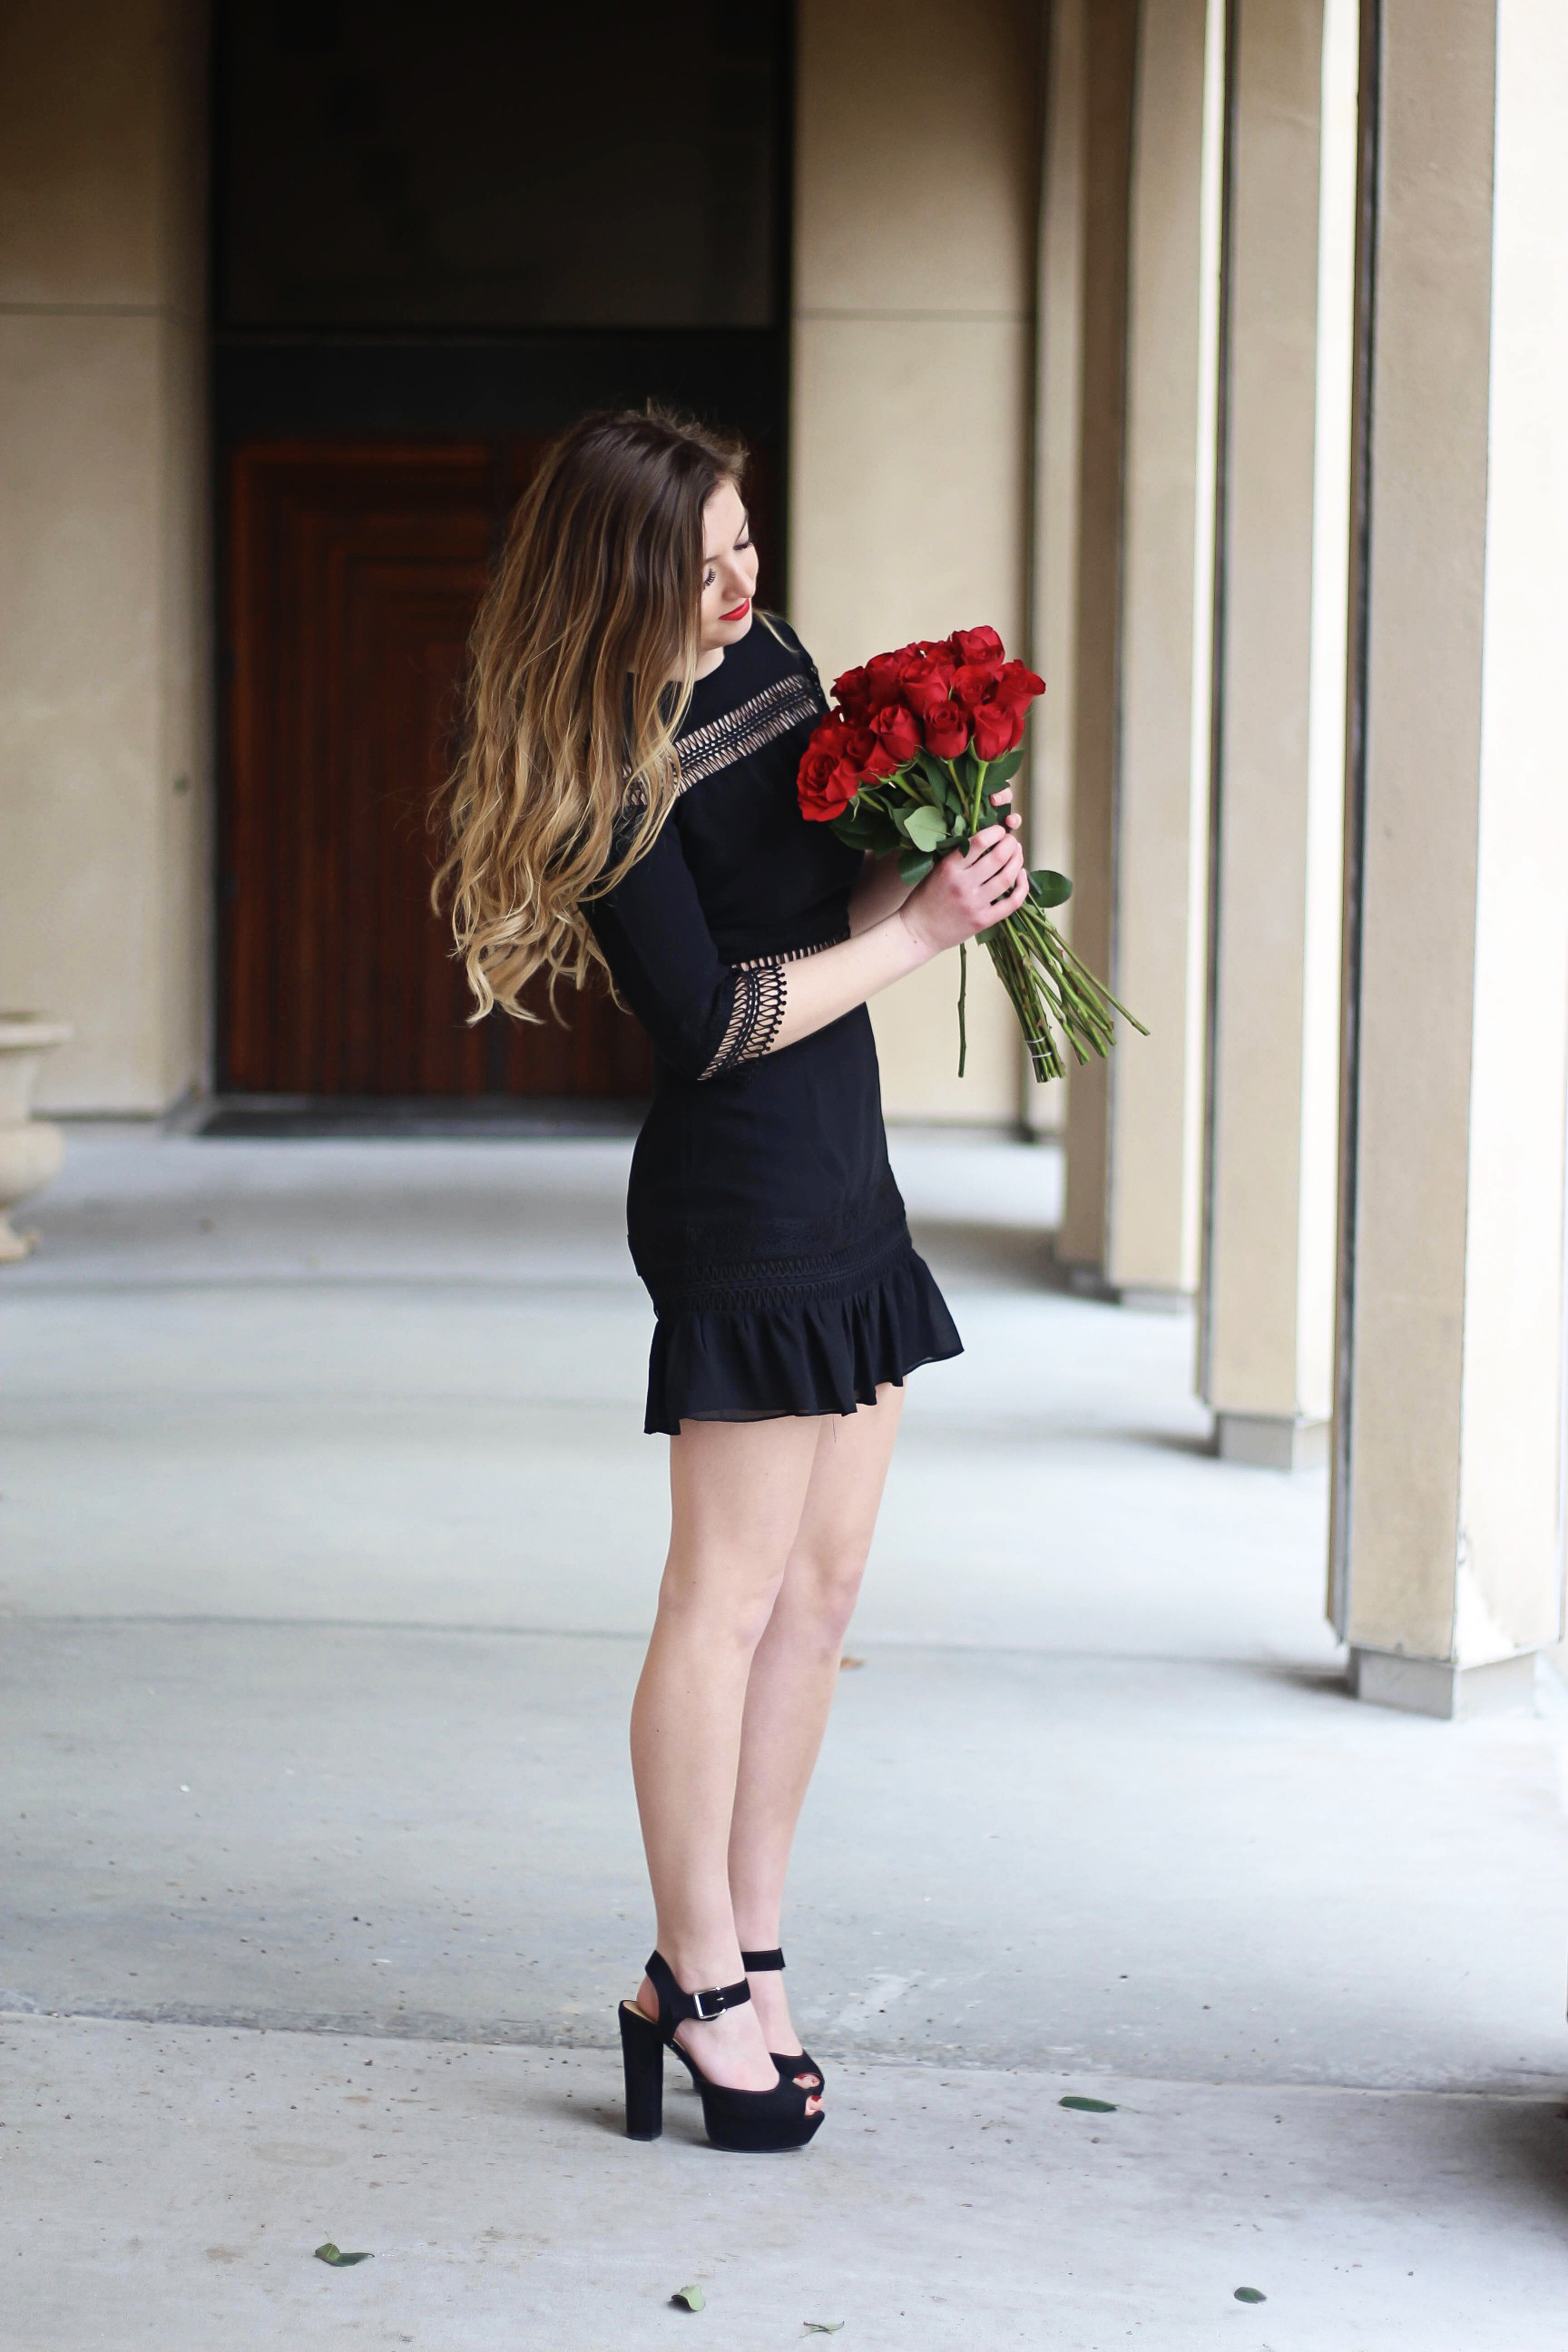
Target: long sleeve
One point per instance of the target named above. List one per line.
(704, 1016)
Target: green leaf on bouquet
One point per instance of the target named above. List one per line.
(1048, 889)
(862, 827)
(913, 866)
(1003, 771)
(937, 777)
(926, 827)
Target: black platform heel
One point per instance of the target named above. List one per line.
(752, 2123)
(765, 1964)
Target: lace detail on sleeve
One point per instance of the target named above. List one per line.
(761, 990)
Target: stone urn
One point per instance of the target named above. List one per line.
(31, 1150)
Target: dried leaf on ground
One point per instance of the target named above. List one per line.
(1251, 2294)
(821, 2327)
(1090, 2106)
(691, 2297)
(847, 1665)
(338, 2261)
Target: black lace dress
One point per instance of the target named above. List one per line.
(762, 1214)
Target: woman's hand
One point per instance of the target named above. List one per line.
(961, 895)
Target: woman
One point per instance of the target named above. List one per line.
(628, 800)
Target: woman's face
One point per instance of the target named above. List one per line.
(729, 576)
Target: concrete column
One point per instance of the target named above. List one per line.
(1153, 1101)
(1267, 1296)
(1448, 1502)
(1109, 42)
(103, 712)
(916, 192)
(1058, 379)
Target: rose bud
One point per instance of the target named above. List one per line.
(1015, 685)
(898, 730)
(946, 731)
(826, 786)
(927, 683)
(998, 727)
(863, 752)
(883, 684)
(976, 645)
(974, 684)
(849, 692)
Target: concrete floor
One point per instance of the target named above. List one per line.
(327, 1538)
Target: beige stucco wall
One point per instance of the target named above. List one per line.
(917, 171)
(103, 733)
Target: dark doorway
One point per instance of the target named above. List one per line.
(439, 235)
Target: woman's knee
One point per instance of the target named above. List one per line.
(823, 1584)
(727, 1600)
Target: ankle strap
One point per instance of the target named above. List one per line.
(676, 2005)
(761, 1964)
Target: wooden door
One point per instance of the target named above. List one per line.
(354, 572)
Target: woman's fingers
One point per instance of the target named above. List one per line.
(1004, 854)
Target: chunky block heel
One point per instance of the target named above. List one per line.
(752, 2123)
(763, 1964)
(642, 2063)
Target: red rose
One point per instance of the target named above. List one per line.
(883, 681)
(849, 692)
(976, 645)
(864, 752)
(926, 682)
(826, 785)
(899, 731)
(1017, 685)
(946, 731)
(975, 683)
(998, 728)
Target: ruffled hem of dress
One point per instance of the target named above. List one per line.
(812, 1354)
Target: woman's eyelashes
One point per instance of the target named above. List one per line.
(741, 547)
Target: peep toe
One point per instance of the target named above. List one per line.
(760, 1964)
(753, 2123)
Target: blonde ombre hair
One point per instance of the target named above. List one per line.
(571, 715)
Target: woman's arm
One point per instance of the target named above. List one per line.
(959, 897)
(705, 1018)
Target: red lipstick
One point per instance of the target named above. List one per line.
(741, 609)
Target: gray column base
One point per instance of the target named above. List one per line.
(1137, 1298)
(1271, 1440)
(1153, 1298)
(1432, 1687)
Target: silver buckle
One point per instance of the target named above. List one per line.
(706, 2016)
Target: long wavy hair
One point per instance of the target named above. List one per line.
(568, 767)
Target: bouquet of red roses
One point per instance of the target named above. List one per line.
(908, 763)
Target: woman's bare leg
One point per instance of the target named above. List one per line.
(794, 1674)
(738, 1491)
